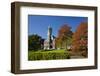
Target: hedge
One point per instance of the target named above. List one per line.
(48, 55)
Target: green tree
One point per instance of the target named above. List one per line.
(34, 42)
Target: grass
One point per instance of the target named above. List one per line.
(48, 55)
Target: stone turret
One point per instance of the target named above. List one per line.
(49, 43)
(49, 34)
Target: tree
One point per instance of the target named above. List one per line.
(80, 37)
(34, 42)
(64, 35)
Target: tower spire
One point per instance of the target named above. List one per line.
(49, 37)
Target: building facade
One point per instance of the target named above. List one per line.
(49, 43)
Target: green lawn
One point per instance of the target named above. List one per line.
(48, 55)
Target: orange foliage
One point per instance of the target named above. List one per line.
(63, 34)
(64, 31)
(80, 38)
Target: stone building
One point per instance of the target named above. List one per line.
(49, 43)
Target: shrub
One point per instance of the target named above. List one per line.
(48, 55)
(84, 53)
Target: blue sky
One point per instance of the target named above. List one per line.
(38, 24)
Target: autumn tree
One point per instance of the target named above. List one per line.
(64, 36)
(80, 37)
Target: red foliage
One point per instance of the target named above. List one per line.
(80, 36)
(63, 34)
(64, 31)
